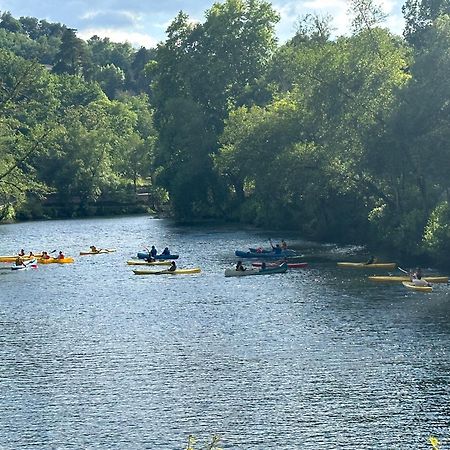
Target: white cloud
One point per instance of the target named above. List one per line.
(134, 38)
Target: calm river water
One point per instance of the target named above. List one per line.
(94, 357)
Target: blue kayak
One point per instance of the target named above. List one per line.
(265, 255)
(282, 268)
(143, 255)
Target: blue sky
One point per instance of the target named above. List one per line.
(143, 22)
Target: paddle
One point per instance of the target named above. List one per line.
(33, 261)
(403, 270)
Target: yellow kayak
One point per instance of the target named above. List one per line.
(98, 252)
(399, 279)
(362, 265)
(141, 262)
(11, 258)
(66, 260)
(167, 272)
(410, 285)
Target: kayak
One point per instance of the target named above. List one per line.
(268, 255)
(290, 265)
(28, 265)
(103, 250)
(143, 255)
(134, 262)
(362, 265)
(12, 258)
(413, 286)
(398, 279)
(66, 260)
(167, 272)
(287, 251)
(245, 273)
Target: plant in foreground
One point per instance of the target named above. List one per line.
(213, 445)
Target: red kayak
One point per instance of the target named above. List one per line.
(290, 265)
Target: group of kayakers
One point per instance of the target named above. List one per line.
(166, 252)
(277, 250)
(415, 276)
(20, 260)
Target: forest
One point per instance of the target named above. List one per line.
(340, 138)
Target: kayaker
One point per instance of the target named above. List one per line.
(19, 261)
(416, 278)
(166, 251)
(172, 267)
(22, 252)
(371, 260)
(31, 255)
(239, 266)
(94, 249)
(153, 251)
(277, 249)
(60, 255)
(45, 255)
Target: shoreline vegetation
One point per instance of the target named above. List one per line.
(341, 138)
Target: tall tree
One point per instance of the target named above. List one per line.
(72, 54)
(201, 71)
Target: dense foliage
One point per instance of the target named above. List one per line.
(341, 138)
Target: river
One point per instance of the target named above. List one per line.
(95, 357)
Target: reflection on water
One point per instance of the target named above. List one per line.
(94, 357)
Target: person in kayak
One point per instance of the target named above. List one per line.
(22, 252)
(371, 260)
(94, 249)
(239, 266)
(19, 261)
(416, 278)
(166, 251)
(153, 251)
(60, 255)
(172, 267)
(45, 255)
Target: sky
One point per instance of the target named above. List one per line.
(144, 22)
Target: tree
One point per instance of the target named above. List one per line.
(419, 17)
(71, 56)
(201, 71)
(26, 106)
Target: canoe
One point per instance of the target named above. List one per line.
(66, 260)
(143, 255)
(245, 273)
(167, 272)
(410, 285)
(399, 279)
(290, 265)
(265, 255)
(134, 262)
(101, 251)
(362, 265)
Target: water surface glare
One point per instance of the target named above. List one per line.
(95, 357)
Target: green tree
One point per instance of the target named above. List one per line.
(71, 56)
(202, 70)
